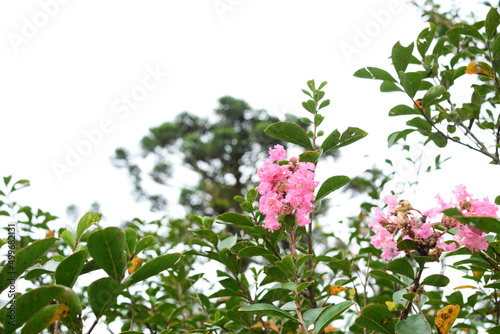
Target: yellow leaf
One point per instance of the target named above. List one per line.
(464, 287)
(330, 328)
(479, 68)
(446, 317)
(352, 293)
(336, 289)
(136, 263)
(390, 305)
(478, 274)
(62, 312)
(419, 105)
(49, 234)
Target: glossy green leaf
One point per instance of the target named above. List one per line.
(24, 258)
(403, 109)
(44, 317)
(331, 184)
(289, 132)
(235, 218)
(335, 140)
(131, 239)
(108, 248)
(102, 293)
(286, 265)
(464, 29)
(268, 309)
(70, 268)
(410, 82)
(374, 73)
(396, 136)
(88, 219)
(311, 315)
(420, 123)
(401, 56)
(330, 314)
(152, 268)
(144, 243)
(414, 324)
(491, 23)
(434, 95)
(389, 86)
(68, 238)
(401, 266)
(208, 235)
(29, 303)
(376, 317)
(407, 244)
(436, 280)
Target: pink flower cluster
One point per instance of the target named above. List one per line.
(285, 189)
(405, 222)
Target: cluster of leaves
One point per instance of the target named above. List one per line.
(427, 75)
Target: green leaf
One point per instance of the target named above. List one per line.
(235, 218)
(434, 95)
(69, 238)
(228, 242)
(330, 314)
(491, 23)
(376, 317)
(131, 238)
(29, 303)
(88, 219)
(331, 184)
(425, 38)
(289, 132)
(107, 247)
(374, 73)
(396, 136)
(323, 104)
(44, 317)
(497, 200)
(387, 276)
(436, 280)
(311, 315)
(269, 309)
(487, 224)
(209, 235)
(144, 243)
(102, 293)
(494, 330)
(70, 268)
(410, 82)
(19, 185)
(286, 265)
(407, 244)
(464, 29)
(401, 56)
(334, 140)
(24, 258)
(401, 266)
(403, 109)
(152, 268)
(414, 324)
(253, 251)
(301, 260)
(389, 86)
(310, 156)
(420, 123)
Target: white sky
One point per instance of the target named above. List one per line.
(70, 74)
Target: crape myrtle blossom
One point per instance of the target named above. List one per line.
(405, 222)
(286, 188)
